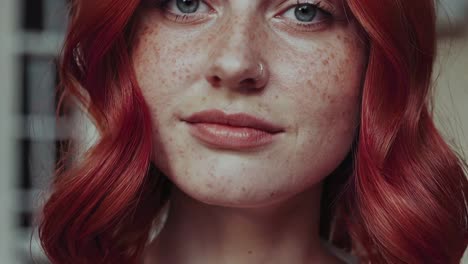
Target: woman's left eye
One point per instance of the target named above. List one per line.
(307, 14)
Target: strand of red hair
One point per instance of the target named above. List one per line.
(101, 208)
(407, 204)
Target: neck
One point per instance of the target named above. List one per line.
(195, 232)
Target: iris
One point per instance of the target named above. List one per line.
(305, 12)
(188, 6)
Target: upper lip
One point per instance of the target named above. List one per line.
(238, 120)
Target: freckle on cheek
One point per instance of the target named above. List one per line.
(323, 96)
(347, 41)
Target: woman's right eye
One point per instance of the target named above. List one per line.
(184, 10)
(185, 6)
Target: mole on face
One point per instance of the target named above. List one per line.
(311, 89)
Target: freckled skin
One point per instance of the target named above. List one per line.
(311, 89)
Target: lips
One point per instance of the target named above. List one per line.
(234, 120)
(239, 131)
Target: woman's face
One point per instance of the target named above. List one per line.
(192, 56)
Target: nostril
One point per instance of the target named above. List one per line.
(215, 81)
(248, 81)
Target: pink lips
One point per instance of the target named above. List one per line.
(234, 131)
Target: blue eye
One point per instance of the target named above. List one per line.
(187, 11)
(184, 7)
(305, 12)
(188, 6)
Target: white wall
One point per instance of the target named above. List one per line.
(452, 93)
(7, 130)
(452, 89)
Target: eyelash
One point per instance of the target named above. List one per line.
(162, 5)
(325, 9)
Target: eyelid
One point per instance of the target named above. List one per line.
(171, 5)
(321, 15)
(324, 5)
(323, 19)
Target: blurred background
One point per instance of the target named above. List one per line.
(31, 33)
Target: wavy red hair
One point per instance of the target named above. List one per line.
(400, 194)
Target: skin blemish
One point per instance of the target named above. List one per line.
(323, 96)
(335, 76)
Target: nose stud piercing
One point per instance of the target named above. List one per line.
(261, 70)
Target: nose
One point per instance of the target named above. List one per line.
(234, 60)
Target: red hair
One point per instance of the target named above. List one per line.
(401, 192)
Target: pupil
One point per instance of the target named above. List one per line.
(188, 6)
(305, 12)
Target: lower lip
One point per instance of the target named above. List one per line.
(230, 137)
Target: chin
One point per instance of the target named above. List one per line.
(235, 196)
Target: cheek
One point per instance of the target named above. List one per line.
(161, 64)
(327, 81)
(325, 95)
